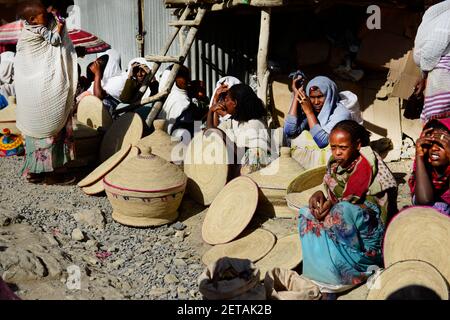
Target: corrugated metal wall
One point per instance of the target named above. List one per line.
(114, 21)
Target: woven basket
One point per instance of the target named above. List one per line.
(145, 191)
(160, 142)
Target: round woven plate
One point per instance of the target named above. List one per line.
(206, 166)
(407, 273)
(231, 211)
(308, 179)
(105, 167)
(99, 187)
(128, 129)
(252, 246)
(92, 113)
(419, 233)
(286, 254)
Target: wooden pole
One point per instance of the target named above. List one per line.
(263, 69)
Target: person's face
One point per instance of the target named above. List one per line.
(41, 18)
(343, 149)
(317, 99)
(140, 75)
(437, 156)
(230, 104)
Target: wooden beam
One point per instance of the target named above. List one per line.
(263, 51)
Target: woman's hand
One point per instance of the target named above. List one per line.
(316, 201)
(95, 68)
(219, 108)
(305, 102)
(223, 88)
(424, 143)
(420, 86)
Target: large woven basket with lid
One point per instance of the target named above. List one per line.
(145, 191)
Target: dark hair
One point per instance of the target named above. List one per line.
(248, 105)
(29, 9)
(355, 130)
(184, 73)
(436, 125)
(60, 5)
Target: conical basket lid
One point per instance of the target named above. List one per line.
(146, 173)
(160, 142)
(280, 173)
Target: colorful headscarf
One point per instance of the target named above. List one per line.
(441, 182)
(366, 179)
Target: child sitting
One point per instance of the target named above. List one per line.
(341, 233)
(39, 21)
(429, 181)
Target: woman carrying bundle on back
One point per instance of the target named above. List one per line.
(341, 232)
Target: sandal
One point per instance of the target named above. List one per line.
(35, 178)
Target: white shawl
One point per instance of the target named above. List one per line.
(6, 67)
(176, 103)
(45, 83)
(433, 36)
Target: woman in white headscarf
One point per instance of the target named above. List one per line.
(108, 80)
(223, 84)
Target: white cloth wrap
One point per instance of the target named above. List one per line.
(45, 84)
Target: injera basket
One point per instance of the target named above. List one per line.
(145, 190)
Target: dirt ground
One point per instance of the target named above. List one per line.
(123, 281)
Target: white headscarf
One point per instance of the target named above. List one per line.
(6, 67)
(113, 80)
(229, 81)
(113, 66)
(140, 61)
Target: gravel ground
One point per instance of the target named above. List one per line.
(47, 229)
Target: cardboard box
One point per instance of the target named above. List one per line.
(404, 74)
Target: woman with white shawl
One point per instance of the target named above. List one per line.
(432, 55)
(108, 80)
(246, 125)
(224, 83)
(45, 82)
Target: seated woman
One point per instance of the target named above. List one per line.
(108, 81)
(223, 84)
(341, 235)
(138, 69)
(247, 126)
(429, 181)
(311, 117)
